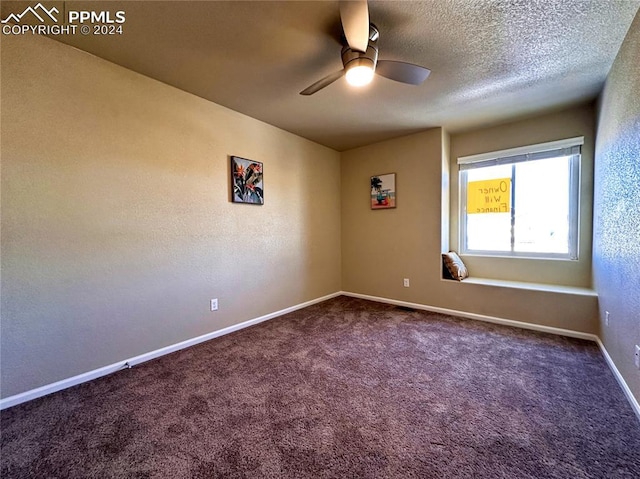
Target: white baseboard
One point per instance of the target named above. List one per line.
(623, 384)
(479, 317)
(112, 368)
(518, 324)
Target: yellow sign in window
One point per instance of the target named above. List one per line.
(489, 196)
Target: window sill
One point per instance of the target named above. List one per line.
(530, 256)
(552, 288)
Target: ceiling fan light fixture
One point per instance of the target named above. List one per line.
(360, 72)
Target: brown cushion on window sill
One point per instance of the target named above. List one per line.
(455, 266)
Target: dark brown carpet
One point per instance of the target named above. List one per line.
(343, 389)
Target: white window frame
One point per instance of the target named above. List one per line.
(569, 147)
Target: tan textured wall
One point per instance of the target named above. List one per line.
(117, 228)
(569, 123)
(380, 248)
(616, 252)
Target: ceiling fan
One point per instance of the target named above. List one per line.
(360, 54)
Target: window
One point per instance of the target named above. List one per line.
(521, 202)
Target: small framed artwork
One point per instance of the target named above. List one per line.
(247, 184)
(383, 191)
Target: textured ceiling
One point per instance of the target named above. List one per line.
(491, 60)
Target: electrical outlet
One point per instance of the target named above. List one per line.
(214, 304)
(606, 318)
(406, 282)
(637, 356)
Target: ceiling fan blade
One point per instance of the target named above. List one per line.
(320, 84)
(402, 72)
(354, 15)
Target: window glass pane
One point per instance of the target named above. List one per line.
(489, 232)
(489, 173)
(492, 231)
(542, 206)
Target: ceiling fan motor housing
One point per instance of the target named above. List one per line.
(369, 58)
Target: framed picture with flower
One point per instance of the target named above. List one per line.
(247, 184)
(383, 191)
